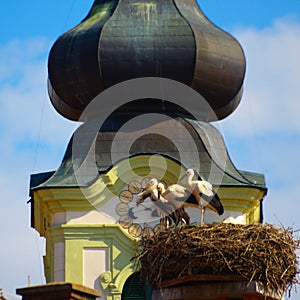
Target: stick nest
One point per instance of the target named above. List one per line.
(259, 252)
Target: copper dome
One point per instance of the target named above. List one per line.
(126, 39)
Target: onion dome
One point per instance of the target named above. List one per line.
(125, 39)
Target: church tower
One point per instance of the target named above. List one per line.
(148, 80)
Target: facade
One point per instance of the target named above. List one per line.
(87, 208)
(91, 235)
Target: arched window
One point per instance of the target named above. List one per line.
(136, 289)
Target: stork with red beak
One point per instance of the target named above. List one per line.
(204, 194)
(165, 209)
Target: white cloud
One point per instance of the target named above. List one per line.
(263, 134)
(21, 246)
(272, 84)
(266, 125)
(33, 138)
(281, 207)
(27, 118)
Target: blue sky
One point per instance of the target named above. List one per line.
(263, 134)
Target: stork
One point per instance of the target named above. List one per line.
(204, 194)
(162, 205)
(177, 195)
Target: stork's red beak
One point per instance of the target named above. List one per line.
(182, 177)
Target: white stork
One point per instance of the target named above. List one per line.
(162, 205)
(177, 195)
(204, 194)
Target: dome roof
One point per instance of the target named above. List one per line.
(125, 39)
(204, 148)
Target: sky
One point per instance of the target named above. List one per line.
(262, 135)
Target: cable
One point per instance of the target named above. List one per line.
(68, 15)
(39, 133)
(33, 170)
(38, 144)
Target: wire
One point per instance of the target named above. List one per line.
(39, 133)
(38, 144)
(33, 170)
(68, 15)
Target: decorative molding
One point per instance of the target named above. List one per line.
(105, 279)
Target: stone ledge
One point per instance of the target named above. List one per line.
(58, 290)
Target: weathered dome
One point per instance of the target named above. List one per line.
(126, 39)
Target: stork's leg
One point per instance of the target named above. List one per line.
(164, 221)
(169, 221)
(186, 217)
(175, 216)
(202, 215)
(161, 221)
(183, 216)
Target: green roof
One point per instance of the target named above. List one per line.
(215, 162)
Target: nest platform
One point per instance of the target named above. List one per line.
(258, 253)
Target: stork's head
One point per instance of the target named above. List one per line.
(160, 187)
(153, 182)
(188, 173)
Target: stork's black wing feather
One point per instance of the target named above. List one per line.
(214, 202)
(188, 198)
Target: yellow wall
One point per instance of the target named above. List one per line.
(53, 206)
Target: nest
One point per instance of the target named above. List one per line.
(256, 252)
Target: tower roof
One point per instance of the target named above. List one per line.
(210, 149)
(125, 39)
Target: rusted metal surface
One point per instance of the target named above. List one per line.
(146, 39)
(126, 39)
(73, 65)
(174, 146)
(220, 61)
